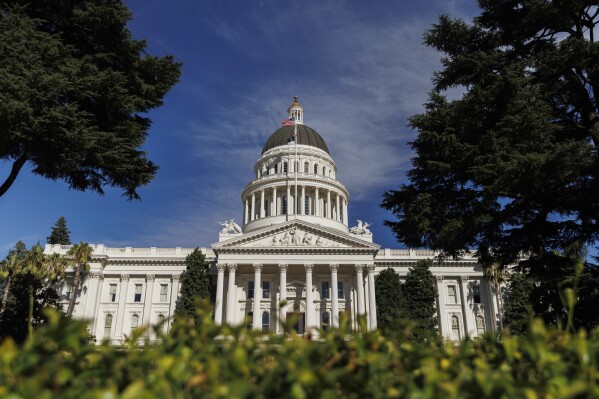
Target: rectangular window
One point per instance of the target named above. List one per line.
(137, 297)
(68, 290)
(476, 293)
(451, 294)
(112, 293)
(251, 289)
(326, 292)
(340, 294)
(276, 168)
(285, 169)
(266, 289)
(163, 292)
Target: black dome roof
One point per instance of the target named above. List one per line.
(306, 136)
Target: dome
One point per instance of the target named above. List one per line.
(306, 136)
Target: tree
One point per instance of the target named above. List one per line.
(512, 166)
(518, 310)
(388, 298)
(60, 234)
(195, 283)
(75, 90)
(80, 255)
(420, 301)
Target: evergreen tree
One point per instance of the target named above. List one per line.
(60, 234)
(388, 298)
(195, 283)
(518, 309)
(420, 301)
(76, 90)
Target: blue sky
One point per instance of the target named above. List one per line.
(359, 68)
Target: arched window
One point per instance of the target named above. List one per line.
(284, 205)
(306, 167)
(480, 325)
(265, 322)
(160, 321)
(285, 167)
(315, 168)
(107, 326)
(455, 328)
(326, 320)
(134, 322)
(250, 318)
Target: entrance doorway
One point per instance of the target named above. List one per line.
(299, 321)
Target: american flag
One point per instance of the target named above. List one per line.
(288, 122)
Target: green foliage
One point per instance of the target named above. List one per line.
(79, 257)
(75, 90)
(195, 283)
(388, 298)
(420, 301)
(60, 234)
(215, 362)
(518, 309)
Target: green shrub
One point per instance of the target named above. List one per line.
(212, 362)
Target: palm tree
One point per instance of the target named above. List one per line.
(498, 275)
(80, 256)
(10, 268)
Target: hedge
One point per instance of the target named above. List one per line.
(214, 362)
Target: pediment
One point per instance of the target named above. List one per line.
(296, 234)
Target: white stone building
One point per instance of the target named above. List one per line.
(295, 235)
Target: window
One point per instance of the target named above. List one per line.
(340, 290)
(134, 322)
(277, 168)
(107, 326)
(451, 294)
(163, 292)
(112, 293)
(285, 167)
(326, 320)
(265, 322)
(137, 297)
(250, 289)
(249, 321)
(284, 205)
(476, 293)
(266, 289)
(326, 292)
(265, 207)
(324, 171)
(315, 168)
(68, 290)
(160, 321)
(480, 325)
(306, 167)
(455, 328)
(306, 205)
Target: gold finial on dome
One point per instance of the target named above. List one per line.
(296, 111)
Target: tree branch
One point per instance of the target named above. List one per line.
(16, 168)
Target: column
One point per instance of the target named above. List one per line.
(303, 201)
(174, 293)
(275, 211)
(442, 312)
(262, 203)
(371, 298)
(329, 215)
(92, 294)
(253, 210)
(120, 315)
(334, 296)
(148, 299)
(257, 317)
(316, 207)
(231, 294)
(247, 211)
(345, 217)
(338, 211)
(289, 203)
(465, 308)
(360, 288)
(309, 297)
(220, 280)
(282, 293)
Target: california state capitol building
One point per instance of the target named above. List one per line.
(296, 246)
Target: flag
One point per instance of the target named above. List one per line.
(288, 122)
